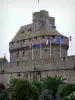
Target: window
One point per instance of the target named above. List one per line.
(45, 50)
(63, 58)
(17, 63)
(35, 37)
(53, 36)
(22, 32)
(61, 37)
(30, 30)
(17, 55)
(17, 42)
(36, 52)
(18, 74)
(12, 43)
(23, 41)
(23, 54)
(29, 38)
(42, 36)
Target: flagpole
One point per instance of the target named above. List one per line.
(50, 48)
(40, 52)
(32, 50)
(60, 47)
(38, 1)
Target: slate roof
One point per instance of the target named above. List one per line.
(43, 31)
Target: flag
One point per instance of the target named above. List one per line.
(58, 40)
(47, 42)
(30, 46)
(69, 38)
(37, 45)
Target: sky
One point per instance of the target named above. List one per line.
(16, 13)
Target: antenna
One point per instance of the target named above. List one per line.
(38, 1)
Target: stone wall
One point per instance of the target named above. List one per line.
(64, 66)
(44, 52)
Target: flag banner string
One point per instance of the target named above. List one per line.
(47, 42)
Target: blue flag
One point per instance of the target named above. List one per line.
(37, 45)
(58, 40)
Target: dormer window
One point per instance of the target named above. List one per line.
(12, 43)
(53, 26)
(30, 30)
(22, 32)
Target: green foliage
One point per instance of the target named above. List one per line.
(46, 89)
(52, 84)
(70, 97)
(3, 93)
(66, 89)
(23, 90)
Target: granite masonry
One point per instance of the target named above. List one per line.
(38, 50)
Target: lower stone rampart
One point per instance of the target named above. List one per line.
(63, 66)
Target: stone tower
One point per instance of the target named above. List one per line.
(39, 31)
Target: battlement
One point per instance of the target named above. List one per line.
(62, 63)
(64, 66)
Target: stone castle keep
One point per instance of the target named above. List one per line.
(35, 52)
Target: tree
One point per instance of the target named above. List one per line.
(51, 84)
(65, 90)
(3, 93)
(23, 90)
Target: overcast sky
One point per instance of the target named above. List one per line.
(16, 13)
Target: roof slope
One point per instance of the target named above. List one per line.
(44, 29)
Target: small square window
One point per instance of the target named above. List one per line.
(17, 63)
(17, 55)
(35, 37)
(23, 41)
(12, 43)
(30, 29)
(36, 52)
(18, 74)
(42, 36)
(17, 42)
(45, 50)
(29, 38)
(22, 32)
(61, 37)
(53, 36)
(23, 54)
(63, 58)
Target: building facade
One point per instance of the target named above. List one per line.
(39, 50)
